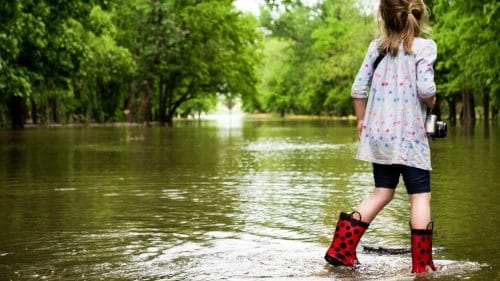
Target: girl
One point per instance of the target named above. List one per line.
(399, 67)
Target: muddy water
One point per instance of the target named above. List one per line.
(217, 201)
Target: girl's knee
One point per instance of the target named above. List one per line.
(420, 197)
(384, 195)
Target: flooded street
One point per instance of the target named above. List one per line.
(250, 200)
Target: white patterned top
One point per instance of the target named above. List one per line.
(393, 129)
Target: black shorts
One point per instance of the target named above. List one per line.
(416, 180)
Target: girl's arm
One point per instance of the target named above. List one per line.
(360, 108)
(361, 83)
(426, 87)
(360, 87)
(430, 102)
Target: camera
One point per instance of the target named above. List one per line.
(434, 128)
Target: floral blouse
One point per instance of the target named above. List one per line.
(394, 124)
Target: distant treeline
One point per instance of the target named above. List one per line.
(152, 60)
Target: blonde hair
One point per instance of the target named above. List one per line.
(403, 20)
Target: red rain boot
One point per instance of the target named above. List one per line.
(342, 251)
(421, 249)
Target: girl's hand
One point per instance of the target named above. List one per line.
(360, 128)
(430, 102)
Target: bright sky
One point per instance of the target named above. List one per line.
(253, 5)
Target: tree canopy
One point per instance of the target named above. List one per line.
(123, 60)
(152, 60)
(322, 46)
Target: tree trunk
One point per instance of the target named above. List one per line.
(162, 100)
(468, 114)
(146, 103)
(169, 119)
(80, 112)
(129, 107)
(17, 111)
(166, 103)
(34, 114)
(486, 106)
(53, 109)
(3, 118)
(173, 106)
(452, 105)
(171, 112)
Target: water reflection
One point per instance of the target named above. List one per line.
(203, 201)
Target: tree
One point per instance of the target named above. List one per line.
(15, 78)
(466, 32)
(340, 42)
(96, 60)
(40, 52)
(324, 46)
(293, 29)
(101, 84)
(188, 49)
(272, 71)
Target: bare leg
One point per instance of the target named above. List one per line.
(374, 203)
(420, 210)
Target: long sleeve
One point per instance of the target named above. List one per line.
(361, 84)
(425, 58)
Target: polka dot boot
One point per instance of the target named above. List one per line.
(421, 250)
(342, 251)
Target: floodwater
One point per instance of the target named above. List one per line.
(239, 200)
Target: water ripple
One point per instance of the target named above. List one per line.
(286, 145)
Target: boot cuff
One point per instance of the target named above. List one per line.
(352, 220)
(421, 231)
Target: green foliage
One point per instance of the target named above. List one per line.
(186, 50)
(93, 60)
(341, 40)
(81, 61)
(321, 48)
(203, 104)
(272, 73)
(467, 36)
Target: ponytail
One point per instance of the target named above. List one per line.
(403, 20)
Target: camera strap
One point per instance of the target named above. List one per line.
(378, 60)
(433, 111)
